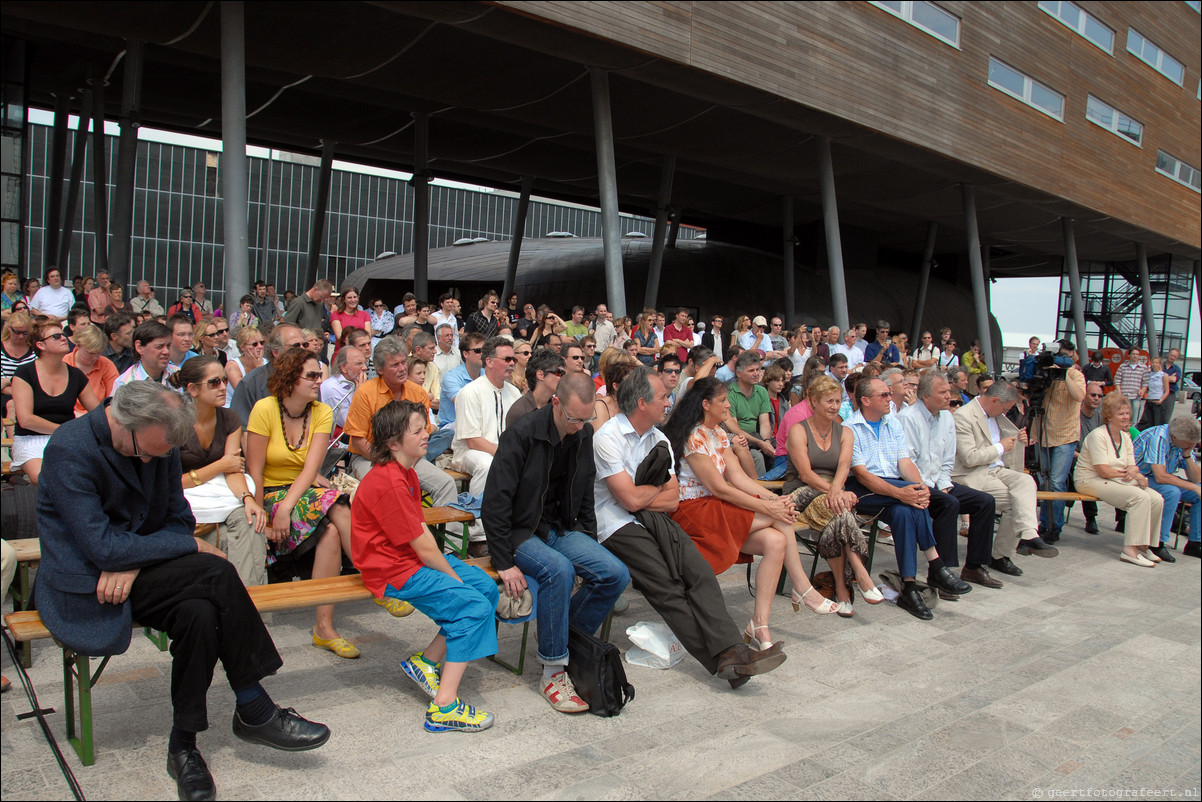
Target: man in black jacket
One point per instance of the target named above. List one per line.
(539, 519)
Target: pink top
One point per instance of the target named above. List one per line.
(360, 319)
(796, 414)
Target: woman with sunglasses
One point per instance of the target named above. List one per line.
(382, 321)
(187, 307)
(16, 349)
(521, 352)
(215, 483)
(204, 341)
(250, 355)
(948, 358)
(315, 342)
(44, 396)
(286, 441)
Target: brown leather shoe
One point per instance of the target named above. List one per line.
(980, 576)
(478, 549)
(741, 660)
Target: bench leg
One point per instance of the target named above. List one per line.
(159, 639)
(607, 625)
(21, 594)
(521, 666)
(79, 667)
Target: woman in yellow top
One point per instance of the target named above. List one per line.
(286, 441)
(1106, 468)
(974, 363)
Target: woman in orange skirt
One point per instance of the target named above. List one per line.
(727, 514)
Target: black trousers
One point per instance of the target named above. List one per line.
(200, 602)
(678, 582)
(946, 508)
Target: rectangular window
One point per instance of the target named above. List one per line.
(1080, 21)
(1154, 57)
(1113, 120)
(925, 16)
(1026, 89)
(1179, 171)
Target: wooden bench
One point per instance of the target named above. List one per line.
(1062, 495)
(775, 485)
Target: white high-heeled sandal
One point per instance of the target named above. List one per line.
(826, 608)
(750, 638)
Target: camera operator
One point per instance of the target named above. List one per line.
(1059, 433)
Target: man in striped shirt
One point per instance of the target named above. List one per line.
(1132, 381)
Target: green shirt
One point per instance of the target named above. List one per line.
(746, 410)
(576, 331)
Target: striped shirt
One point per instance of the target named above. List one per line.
(1131, 377)
(1155, 447)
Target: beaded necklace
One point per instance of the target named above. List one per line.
(304, 428)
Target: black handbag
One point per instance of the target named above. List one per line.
(595, 667)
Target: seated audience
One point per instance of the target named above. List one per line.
(1160, 452)
(253, 387)
(204, 340)
(250, 355)
(346, 372)
(101, 373)
(750, 410)
(152, 344)
(543, 372)
(606, 404)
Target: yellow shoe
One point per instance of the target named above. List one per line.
(398, 608)
(339, 646)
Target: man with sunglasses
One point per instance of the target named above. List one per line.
(573, 355)
(118, 546)
(459, 377)
(1091, 418)
(539, 514)
(543, 371)
(382, 321)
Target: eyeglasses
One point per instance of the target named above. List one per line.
(312, 375)
(508, 359)
(256, 342)
(378, 306)
(523, 353)
(560, 372)
(133, 436)
(20, 332)
(577, 357)
(215, 382)
(581, 421)
(57, 336)
(954, 404)
(775, 325)
(209, 334)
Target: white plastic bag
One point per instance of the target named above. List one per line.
(655, 646)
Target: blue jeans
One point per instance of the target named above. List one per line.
(912, 527)
(1173, 496)
(440, 441)
(1059, 463)
(554, 564)
(777, 471)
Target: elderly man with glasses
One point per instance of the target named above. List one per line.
(118, 546)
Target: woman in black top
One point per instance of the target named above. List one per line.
(44, 394)
(215, 483)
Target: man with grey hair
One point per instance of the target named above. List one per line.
(308, 310)
(118, 546)
(346, 372)
(446, 355)
(987, 459)
(635, 491)
(1161, 451)
(957, 377)
(253, 387)
(422, 345)
(855, 357)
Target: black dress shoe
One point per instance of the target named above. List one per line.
(1051, 537)
(1120, 520)
(1163, 553)
(945, 580)
(285, 730)
(191, 775)
(1091, 526)
(1037, 547)
(1004, 565)
(980, 576)
(912, 603)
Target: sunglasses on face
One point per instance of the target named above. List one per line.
(312, 375)
(215, 382)
(559, 372)
(222, 331)
(474, 350)
(509, 359)
(671, 370)
(254, 344)
(58, 336)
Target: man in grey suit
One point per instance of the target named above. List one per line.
(118, 545)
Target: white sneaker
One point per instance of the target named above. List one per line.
(561, 694)
(885, 540)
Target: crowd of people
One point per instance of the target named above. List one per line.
(600, 453)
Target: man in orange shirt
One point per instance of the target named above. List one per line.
(391, 384)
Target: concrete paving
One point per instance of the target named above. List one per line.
(1082, 674)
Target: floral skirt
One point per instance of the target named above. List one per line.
(308, 517)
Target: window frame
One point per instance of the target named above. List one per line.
(1080, 29)
(1114, 128)
(1178, 164)
(1161, 52)
(906, 14)
(1028, 86)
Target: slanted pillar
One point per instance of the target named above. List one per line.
(58, 167)
(790, 288)
(674, 229)
(234, 195)
(318, 229)
(977, 269)
(127, 156)
(421, 206)
(1145, 290)
(660, 237)
(1074, 288)
(607, 181)
(67, 232)
(924, 279)
(515, 244)
(834, 245)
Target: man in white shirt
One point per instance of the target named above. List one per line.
(480, 410)
(145, 301)
(664, 564)
(861, 343)
(931, 436)
(346, 371)
(446, 314)
(758, 339)
(855, 357)
(54, 299)
(604, 332)
(446, 354)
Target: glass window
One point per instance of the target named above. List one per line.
(1025, 88)
(927, 17)
(1179, 171)
(1081, 22)
(1154, 57)
(1113, 120)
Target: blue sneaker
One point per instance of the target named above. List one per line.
(421, 672)
(463, 718)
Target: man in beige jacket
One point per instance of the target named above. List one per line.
(987, 459)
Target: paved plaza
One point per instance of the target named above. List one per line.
(1081, 674)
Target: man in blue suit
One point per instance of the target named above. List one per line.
(117, 546)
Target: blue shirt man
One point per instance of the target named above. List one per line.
(1161, 451)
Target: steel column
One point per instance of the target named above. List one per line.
(127, 157)
(660, 237)
(515, 244)
(924, 279)
(234, 195)
(67, 233)
(1145, 289)
(1074, 287)
(58, 166)
(980, 299)
(834, 245)
(421, 206)
(607, 180)
(790, 287)
(318, 228)
(674, 229)
(100, 177)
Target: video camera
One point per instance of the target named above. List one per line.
(1037, 373)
